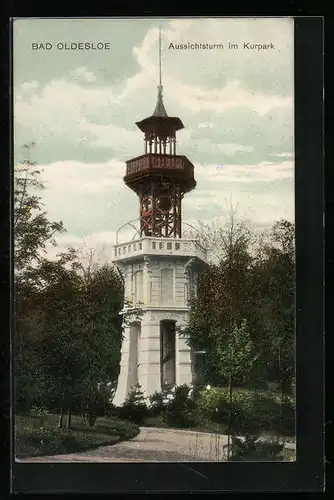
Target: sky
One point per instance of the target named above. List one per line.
(80, 108)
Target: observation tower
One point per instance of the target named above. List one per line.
(160, 268)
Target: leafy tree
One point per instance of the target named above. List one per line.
(32, 229)
(233, 354)
(32, 232)
(68, 328)
(224, 299)
(276, 303)
(258, 287)
(82, 348)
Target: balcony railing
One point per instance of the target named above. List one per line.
(159, 246)
(156, 161)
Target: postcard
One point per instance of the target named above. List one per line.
(154, 240)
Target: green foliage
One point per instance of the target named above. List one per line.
(251, 285)
(250, 413)
(68, 330)
(77, 338)
(157, 404)
(250, 449)
(233, 351)
(134, 408)
(37, 434)
(32, 229)
(179, 411)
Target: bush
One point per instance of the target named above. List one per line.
(252, 412)
(250, 449)
(157, 403)
(180, 410)
(134, 408)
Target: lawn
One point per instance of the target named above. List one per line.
(37, 435)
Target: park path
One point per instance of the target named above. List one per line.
(152, 445)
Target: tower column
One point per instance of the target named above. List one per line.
(122, 384)
(149, 363)
(184, 369)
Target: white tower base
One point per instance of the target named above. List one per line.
(160, 275)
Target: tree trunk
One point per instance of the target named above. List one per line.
(62, 410)
(229, 417)
(69, 414)
(82, 406)
(281, 387)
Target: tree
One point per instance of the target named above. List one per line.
(223, 237)
(82, 346)
(32, 229)
(224, 295)
(233, 354)
(68, 327)
(276, 292)
(32, 232)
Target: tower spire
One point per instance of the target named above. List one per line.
(160, 108)
(160, 56)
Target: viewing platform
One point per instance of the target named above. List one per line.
(155, 164)
(177, 247)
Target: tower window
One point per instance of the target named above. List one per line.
(115, 252)
(161, 245)
(124, 249)
(169, 246)
(177, 246)
(166, 286)
(129, 248)
(154, 245)
(119, 251)
(138, 282)
(140, 246)
(134, 246)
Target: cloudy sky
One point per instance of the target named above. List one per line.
(80, 108)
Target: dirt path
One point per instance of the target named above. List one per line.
(152, 445)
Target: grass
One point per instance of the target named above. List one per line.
(37, 435)
(209, 427)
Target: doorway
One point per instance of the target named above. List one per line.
(167, 353)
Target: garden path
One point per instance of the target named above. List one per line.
(152, 445)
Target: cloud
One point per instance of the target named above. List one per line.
(283, 155)
(92, 199)
(237, 108)
(61, 111)
(29, 86)
(262, 173)
(65, 116)
(83, 74)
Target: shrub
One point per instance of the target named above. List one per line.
(180, 410)
(157, 403)
(251, 449)
(134, 407)
(252, 412)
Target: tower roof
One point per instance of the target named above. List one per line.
(160, 108)
(159, 120)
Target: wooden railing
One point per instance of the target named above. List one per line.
(155, 161)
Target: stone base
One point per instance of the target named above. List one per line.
(145, 369)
